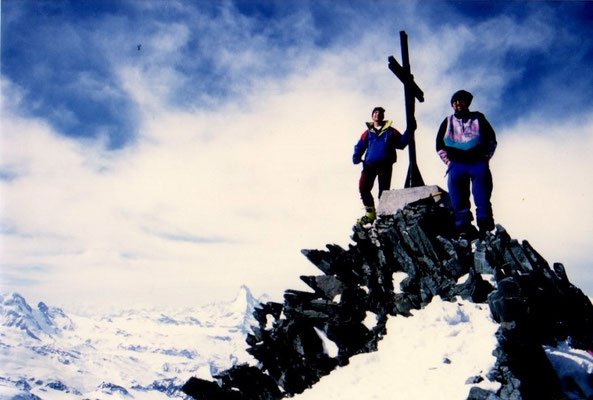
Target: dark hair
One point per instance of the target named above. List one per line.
(378, 109)
(462, 95)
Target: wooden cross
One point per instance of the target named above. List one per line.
(411, 93)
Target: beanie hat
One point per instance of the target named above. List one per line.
(462, 95)
(378, 109)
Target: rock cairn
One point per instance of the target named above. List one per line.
(534, 304)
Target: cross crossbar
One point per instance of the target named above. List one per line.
(407, 79)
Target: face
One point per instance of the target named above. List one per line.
(459, 105)
(378, 116)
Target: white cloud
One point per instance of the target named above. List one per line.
(545, 186)
(205, 201)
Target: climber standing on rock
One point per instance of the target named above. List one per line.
(466, 142)
(379, 141)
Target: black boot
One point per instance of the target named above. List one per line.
(467, 232)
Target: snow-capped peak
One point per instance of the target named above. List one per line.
(244, 302)
(36, 323)
(16, 301)
(55, 317)
(237, 314)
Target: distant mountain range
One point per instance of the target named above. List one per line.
(148, 354)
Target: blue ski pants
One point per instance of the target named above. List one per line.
(478, 174)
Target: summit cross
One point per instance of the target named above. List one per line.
(411, 93)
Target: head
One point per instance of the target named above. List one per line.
(461, 100)
(378, 114)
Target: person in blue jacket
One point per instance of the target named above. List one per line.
(379, 141)
(466, 142)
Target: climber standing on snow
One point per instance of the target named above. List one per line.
(466, 142)
(380, 141)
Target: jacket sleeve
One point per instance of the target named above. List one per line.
(360, 148)
(401, 140)
(440, 145)
(488, 136)
(410, 129)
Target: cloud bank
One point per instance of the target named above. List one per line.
(211, 155)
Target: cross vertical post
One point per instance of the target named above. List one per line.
(411, 93)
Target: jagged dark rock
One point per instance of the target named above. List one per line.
(477, 393)
(251, 382)
(534, 304)
(201, 389)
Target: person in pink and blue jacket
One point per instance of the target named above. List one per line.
(378, 145)
(466, 142)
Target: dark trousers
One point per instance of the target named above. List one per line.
(479, 175)
(370, 172)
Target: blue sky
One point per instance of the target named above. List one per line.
(66, 65)
(178, 149)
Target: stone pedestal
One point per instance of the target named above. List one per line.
(393, 200)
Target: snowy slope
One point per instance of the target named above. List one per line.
(428, 356)
(143, 354)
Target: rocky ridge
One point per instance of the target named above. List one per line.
(535, 305)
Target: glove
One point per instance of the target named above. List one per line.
(443, 155)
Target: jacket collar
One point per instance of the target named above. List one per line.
(386, 124)
(462, 114)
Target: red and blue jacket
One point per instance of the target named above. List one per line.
(379, 145)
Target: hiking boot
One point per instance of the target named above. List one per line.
(468, 232)
(369, 217)
(486, 226)
(484, 233)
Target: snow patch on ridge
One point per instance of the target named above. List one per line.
(329, 347)
(574, 368)
(428, 356)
